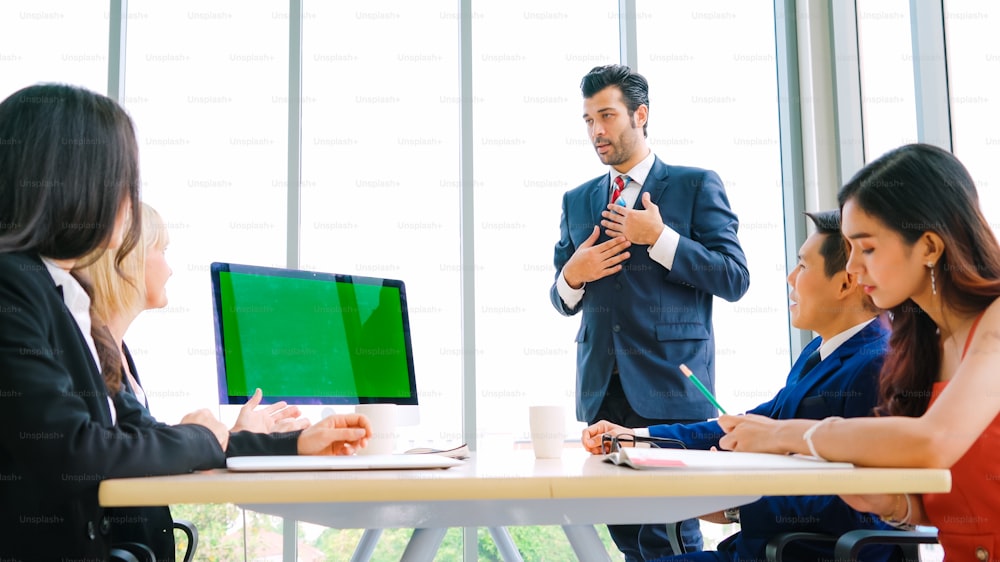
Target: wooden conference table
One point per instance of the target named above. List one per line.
(512, 488)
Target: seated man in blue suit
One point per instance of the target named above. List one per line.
(835, 375)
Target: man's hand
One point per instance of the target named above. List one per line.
(591, 438)
(204, 417)
(638, 226)
(277, 417)
(339, 434)
(590, 263)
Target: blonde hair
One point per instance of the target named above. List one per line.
(120, 291)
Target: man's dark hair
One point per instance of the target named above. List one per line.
(834, 247)
(634, 88)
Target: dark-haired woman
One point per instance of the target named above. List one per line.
(923, 250)
(68, 186)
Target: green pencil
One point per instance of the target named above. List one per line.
(687, 373)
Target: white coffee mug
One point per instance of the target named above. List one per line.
(382, 418)
(548, 431)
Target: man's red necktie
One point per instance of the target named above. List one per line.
(620, 183)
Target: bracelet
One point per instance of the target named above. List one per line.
(904, 522)
(808, 435)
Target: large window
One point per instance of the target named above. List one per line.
(973, 64)
(28, 53)
(211, 117)
(885, 50)
(207, 85)
(713, 105)
(530, 146)
(380, 169)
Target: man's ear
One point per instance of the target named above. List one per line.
(931, 245)
(848, 284)
(641, 115)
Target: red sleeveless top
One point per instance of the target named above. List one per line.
(968, 517)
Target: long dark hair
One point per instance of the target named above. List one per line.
(912, 190)
(68, 162)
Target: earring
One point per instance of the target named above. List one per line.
(930, 266)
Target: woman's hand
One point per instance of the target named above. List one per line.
(908, 508)
(274, 418)
(339, 434)
(205, 418)
(879, 504)
(761, 434)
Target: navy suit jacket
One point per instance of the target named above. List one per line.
(57, 439)
(844, 384)
(646, 318)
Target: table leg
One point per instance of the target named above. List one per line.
(289, 541)
(423, 545)
(505, 544)
(366, 546)
(586, 544)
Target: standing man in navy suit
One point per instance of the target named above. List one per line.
(835, 375)
(641, 256)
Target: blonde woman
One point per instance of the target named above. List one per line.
(138, 284)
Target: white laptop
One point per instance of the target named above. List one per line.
(341, 462)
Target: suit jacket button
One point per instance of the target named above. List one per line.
(617, 328)
(90, 530)
(618, 285)
(982, 554)
(105, 525)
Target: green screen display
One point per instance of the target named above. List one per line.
(311, 338)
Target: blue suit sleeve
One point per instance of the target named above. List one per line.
(702, 435)
(563, 252)
(712, 260)
(782, 514)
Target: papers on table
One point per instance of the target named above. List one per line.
(715, 460)
(460, 452)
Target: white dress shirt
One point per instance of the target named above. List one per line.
(78, 303)
(662, 251)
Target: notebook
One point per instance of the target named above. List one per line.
(716, 460)
(277, 463)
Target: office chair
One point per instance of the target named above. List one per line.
(131, 552)
(138, 552)
(850, 543)
(847, 547)
(674, 536)
(191, 532)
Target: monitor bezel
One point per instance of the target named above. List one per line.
(220, 361)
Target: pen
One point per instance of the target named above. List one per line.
(687, 373)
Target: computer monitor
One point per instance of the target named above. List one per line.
(311, 338)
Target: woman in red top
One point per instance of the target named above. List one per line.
(922, 249)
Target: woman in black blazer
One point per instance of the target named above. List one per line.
(69, 184)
